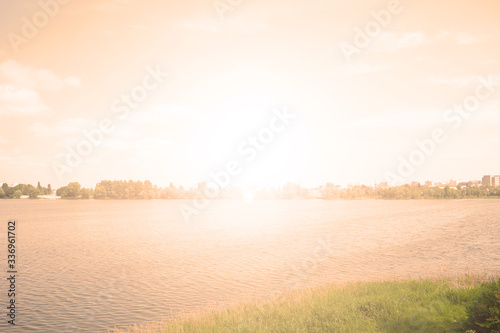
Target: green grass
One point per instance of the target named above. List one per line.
(425, 305)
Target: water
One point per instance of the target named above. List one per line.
(85, 266)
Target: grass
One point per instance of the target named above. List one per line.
(425, 305)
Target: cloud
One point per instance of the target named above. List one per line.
(408, 118)
(458, 81)
(19, 86)
(64, 127)
(13, 73)
(390, 41)
(150, 144)
(466, 39)
(20, 101)
(461, 80)
(247, 24)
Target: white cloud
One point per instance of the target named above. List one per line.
(247, 24)
(390, 41)
(408, 118)
(20, 101)
(459, 81)
(19, 86)
(64, 127)
(13, 73)
(464, 38)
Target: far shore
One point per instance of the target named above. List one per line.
(56, 197)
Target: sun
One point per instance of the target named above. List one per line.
(243, 125)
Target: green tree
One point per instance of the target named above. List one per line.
(100, 192)
(18, 194)
(33, 193)
(2, 193)
(9, 192)
(49, 189)
(85, 193)
(62, 192)
(484, 314)
(73, 190)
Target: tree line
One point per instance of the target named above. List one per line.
(135, 190)
(407, 192)
(15, 192)
(126, 190)
(108, 189)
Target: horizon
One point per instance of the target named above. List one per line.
(383, 183)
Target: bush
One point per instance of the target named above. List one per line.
(484, 314)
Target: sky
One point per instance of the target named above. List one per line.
(290, 91)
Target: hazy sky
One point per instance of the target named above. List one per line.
(228, 69)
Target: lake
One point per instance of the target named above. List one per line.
(84, 266)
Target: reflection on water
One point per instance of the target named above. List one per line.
(88, 265)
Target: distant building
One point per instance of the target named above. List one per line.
(491, 180)
(452, 183)
(428, 183)
(486, 180)
(475, 183)
(415, 184)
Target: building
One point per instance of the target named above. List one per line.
(491, 180)
(486, 181)
(475, 183)
(495, 180)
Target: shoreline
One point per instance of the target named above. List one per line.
(400, 304)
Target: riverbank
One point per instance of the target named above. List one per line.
(423, 305)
